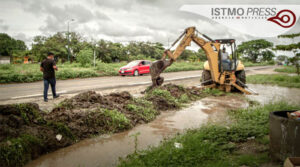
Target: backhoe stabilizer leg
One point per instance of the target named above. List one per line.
(241, 89)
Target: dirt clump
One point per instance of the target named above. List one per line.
(175, 90)
(82, 116)
(170, 96)
(25, 134)
(90, 113)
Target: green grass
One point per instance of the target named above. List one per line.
(250, 64)
(117, 120)
(275, 79)
(214, 145)
(18, 73)
(17, 151)
(145, 112)
(287, 69)
(164, 94)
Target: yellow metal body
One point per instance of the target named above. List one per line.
(224, 80)
(240, 66)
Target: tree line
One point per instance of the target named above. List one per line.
(83, 51)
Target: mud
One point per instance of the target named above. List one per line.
(82, 116)
(23, 126)
(106, 150)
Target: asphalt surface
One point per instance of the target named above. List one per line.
(35, 89)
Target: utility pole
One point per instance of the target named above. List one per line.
(68, 38)
(95, 55)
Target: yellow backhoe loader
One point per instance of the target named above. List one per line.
(225, 75)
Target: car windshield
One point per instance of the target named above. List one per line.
(133, 63)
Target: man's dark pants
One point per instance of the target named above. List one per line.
(52, 82)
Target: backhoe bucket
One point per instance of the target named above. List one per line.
(156, 69)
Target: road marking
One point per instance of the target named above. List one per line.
(37, 95)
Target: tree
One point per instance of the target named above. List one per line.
(186, 54)
(85, 57)
(253, 49)
(267, 55)
(57, 44)
(294, 47)
(281, 58)
(10, 46)
(148, 49)
(39, 51)
(202, 55)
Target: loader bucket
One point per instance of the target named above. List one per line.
(156, 69)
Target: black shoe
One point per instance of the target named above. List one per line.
(54, 97)
(45, 100)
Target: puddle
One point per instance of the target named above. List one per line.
(268, 93)
(105, 150)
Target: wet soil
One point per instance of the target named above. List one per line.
(82, 116)
(106, 150)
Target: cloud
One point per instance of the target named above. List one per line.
(3, 26)
(125, 20)
(23, 37)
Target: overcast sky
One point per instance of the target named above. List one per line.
(117, 20)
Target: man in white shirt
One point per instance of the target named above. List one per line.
(225, 60)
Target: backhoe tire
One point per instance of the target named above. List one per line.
(241, 75)
(206, 77)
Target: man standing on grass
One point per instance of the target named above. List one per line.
(47, 67)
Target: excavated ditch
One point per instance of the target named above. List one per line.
(28, 132)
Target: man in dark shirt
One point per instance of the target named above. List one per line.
(48, 67)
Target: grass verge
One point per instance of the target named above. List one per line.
(216, 145)
(19, 73)
(275, 79)
(287, 69)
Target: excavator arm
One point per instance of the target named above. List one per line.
(190, 34)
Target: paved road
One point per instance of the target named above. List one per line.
(24, 90)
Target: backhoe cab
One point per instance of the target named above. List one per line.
(226, 75)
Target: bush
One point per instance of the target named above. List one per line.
(85, 57)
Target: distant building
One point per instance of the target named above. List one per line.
(4, 60)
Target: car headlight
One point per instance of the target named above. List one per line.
(129, 69)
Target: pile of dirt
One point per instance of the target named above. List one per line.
(79, 117)
(25, 134)
(88, 113)
(175, 90)
(168, 96)
(91, 99)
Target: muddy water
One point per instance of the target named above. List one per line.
(268, 93)
(105, 150)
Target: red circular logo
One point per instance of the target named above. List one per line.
(285, 18)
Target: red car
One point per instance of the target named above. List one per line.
(136, 68)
